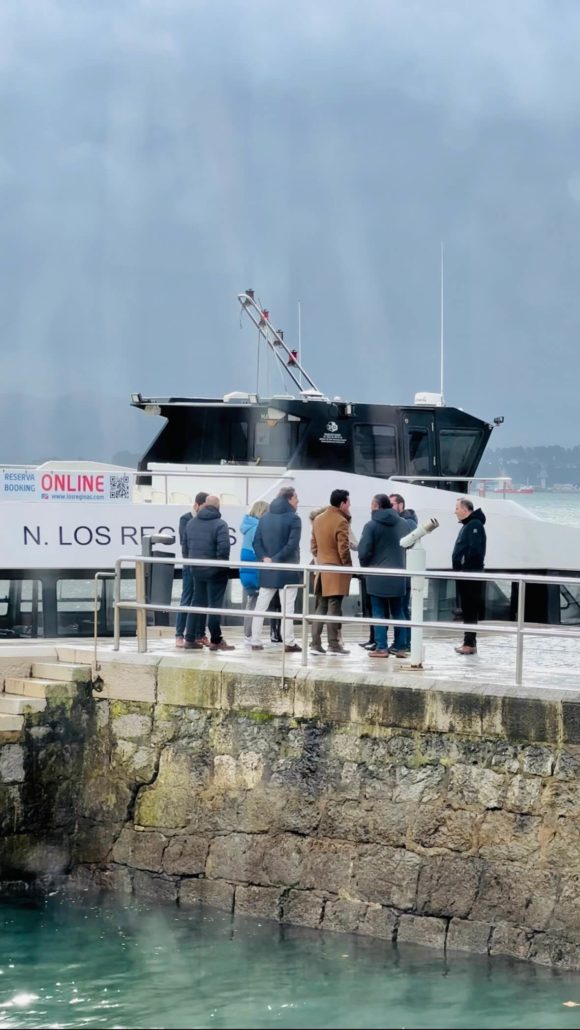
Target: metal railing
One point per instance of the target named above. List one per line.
(520, 629)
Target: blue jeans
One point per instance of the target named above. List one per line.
(383, 608)
(186, 598)
(406, 614)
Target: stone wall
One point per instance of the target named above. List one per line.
(388, 807)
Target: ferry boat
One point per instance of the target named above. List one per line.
(63, 523)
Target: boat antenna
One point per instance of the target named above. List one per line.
(441, 326)
(288, 359)
(300, 337)
(258, 368)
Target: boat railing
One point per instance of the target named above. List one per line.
(520, 629)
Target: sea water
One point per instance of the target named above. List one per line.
(70, 962)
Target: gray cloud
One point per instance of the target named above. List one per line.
(157, 158)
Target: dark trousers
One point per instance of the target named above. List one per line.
(366, 607)
(186, 598)
(208, 593)
(405, 633)
(471, 598)
(327, 606)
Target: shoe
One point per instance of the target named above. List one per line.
(192, 645)
(292, 648)
(371, 646)
(179, 642)
(317, 649)
(257, 647)
(222, 646)
(275, 636)
(398, 652)
(247, 643)
(203, 641)
(378, 654)
(338, 650)
(466, 649)
(367, 644)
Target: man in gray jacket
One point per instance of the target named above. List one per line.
(208, 536)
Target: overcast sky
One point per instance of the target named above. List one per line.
(159, 156)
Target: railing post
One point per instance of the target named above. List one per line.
(520, 635)
(141, 613)
(116, 609)
(416, 563)
(305, 612)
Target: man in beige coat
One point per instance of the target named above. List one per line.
(330, 545)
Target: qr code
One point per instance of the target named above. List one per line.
(119, 488)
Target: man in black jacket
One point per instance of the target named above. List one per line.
(208, 536)
(187, 577)
(277, 539)
(469, 556)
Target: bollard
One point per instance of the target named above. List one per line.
(141, 612)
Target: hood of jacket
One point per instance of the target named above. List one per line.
(475, 516)
(281, 506)
(386, 516)
(208, 512)
(248, 522)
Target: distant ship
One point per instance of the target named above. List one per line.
(507, 487)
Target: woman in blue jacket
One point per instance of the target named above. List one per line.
(250, 578)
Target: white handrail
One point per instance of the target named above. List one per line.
(520, 630)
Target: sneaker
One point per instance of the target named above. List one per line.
(292, 648)
(371, 646)
(257, 647)
(466, 649)
(338, 650)
(367, 644)
(222, 646)
(192, 645)
(317, 649)
(203, 641)
(179, 642)
(398, 652)
(378, 654)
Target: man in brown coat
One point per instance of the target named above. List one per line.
(330, 545)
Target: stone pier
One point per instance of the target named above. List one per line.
(384, 803)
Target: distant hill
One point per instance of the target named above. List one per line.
(534, 466)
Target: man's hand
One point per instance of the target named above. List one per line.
(267, 559)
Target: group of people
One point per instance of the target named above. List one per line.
(271, 535)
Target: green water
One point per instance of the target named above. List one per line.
(74, 963)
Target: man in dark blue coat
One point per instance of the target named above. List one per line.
(187, 576)
(379, 547)
(208, 536)
(409, 514)
(469, 556)
(277, 539)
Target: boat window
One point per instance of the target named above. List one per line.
(375, 450)
(456, 448)
(274, 442)
(419, 452)
(20, 608)
(75, 606)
